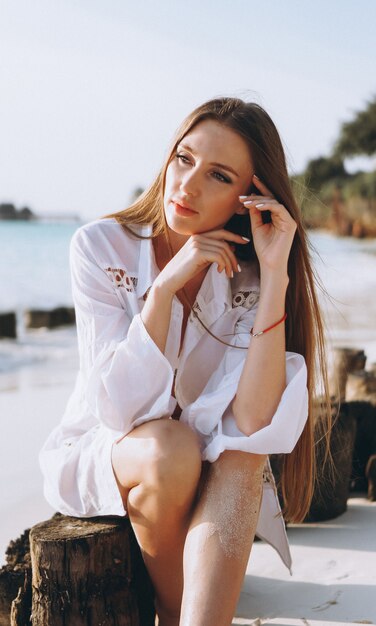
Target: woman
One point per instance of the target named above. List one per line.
(196, 303)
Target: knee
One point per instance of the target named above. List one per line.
(174, 462)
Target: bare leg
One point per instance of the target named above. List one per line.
(158, 467)
(220, 538)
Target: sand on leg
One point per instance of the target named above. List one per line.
(220, 538)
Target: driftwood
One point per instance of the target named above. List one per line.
(60, 316)
(88, 572)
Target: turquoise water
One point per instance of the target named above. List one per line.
(34, 264)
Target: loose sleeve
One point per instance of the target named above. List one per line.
(211, 414)
(127, 379)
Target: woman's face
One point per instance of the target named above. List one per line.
(210, 169)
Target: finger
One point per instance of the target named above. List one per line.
(278, 211)
(218, 255)
(260, 185)
(223, 234)
(225, 249)
(253, 197)
(255, 217)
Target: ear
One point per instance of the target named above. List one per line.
(241, 210)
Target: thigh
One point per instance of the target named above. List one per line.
(228, 507)
(233, 483)
(158, 442)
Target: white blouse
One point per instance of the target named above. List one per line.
(124, 379)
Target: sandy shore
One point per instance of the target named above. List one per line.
(334, 574)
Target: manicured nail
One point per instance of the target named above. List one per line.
(259, 205)
(239, 268)
(248, 202)
(255, 176)
(232, 274)
(242, 197)
(246, 239)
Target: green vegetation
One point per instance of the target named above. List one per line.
(9, 212)
(334, 198)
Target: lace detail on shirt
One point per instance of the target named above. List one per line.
(247, 299)
(120, 278)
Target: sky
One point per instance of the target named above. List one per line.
(93, 90)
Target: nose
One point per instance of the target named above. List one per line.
(189, 183)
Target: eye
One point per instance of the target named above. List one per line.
(221, 178)
(216, 175)
(182, 158)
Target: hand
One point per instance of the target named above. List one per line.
(198, 252)
(272, 241)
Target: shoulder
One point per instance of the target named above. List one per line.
(104, 238)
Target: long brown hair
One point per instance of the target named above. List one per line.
(304, 326)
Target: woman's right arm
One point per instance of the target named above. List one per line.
(126, 379)
(198, 252)
(156, 314)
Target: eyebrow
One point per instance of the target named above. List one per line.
(224, 167)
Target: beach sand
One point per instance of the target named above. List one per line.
(334, 573)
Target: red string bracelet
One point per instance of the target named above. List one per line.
(262, 332)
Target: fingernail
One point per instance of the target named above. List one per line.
(232, 274)
(242, 197)
(259, 205)
(255, 176)
(248, 202)
(239, 268)
(246, 239)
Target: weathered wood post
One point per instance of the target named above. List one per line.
(88, 572)
(333, 482)
(371, 476)
(361, 385)
(345, 361)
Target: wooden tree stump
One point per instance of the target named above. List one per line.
(88, 572)
(15, 583)
(345, 361)
(364, 414)
(333, 485)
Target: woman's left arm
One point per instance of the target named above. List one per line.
(263, 377)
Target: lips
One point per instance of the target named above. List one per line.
(184, 205)
(183, 209)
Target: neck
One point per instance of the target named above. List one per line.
(174, 241)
